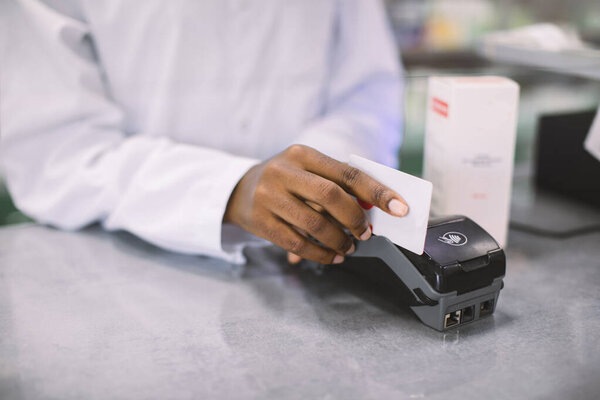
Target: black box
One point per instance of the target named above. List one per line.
(563, 165)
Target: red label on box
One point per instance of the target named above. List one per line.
(440, 107)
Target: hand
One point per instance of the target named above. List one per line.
(272, 201)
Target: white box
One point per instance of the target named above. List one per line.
(469, 148)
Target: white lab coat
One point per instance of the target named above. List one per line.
(144, 114)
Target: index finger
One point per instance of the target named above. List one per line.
(356, 182)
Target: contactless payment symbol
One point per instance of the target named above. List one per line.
(453, 238)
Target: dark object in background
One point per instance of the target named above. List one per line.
(563, 165)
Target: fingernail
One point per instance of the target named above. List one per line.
(338, 259)
(364, 204)
(351, 249)
(398, 208)
(366, 234)
(294, 259)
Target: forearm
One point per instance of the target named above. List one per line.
(68, 160)
(169, 194)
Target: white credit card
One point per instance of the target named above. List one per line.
(592, 142)
(409, 231)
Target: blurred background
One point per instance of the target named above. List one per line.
(444, 37)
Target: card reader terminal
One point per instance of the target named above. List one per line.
(457, 280)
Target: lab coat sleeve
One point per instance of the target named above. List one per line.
(362, 111)
(68, 162)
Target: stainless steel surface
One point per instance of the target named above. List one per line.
(100, 316)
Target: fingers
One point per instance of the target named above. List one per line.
(355, 182)
(284, 236)
(339, 204)
(315, 206)
(292, 258)
(301, 193)
(310, 222)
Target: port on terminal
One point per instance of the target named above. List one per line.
(468, 314)
(452, 318)
(486, 307)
